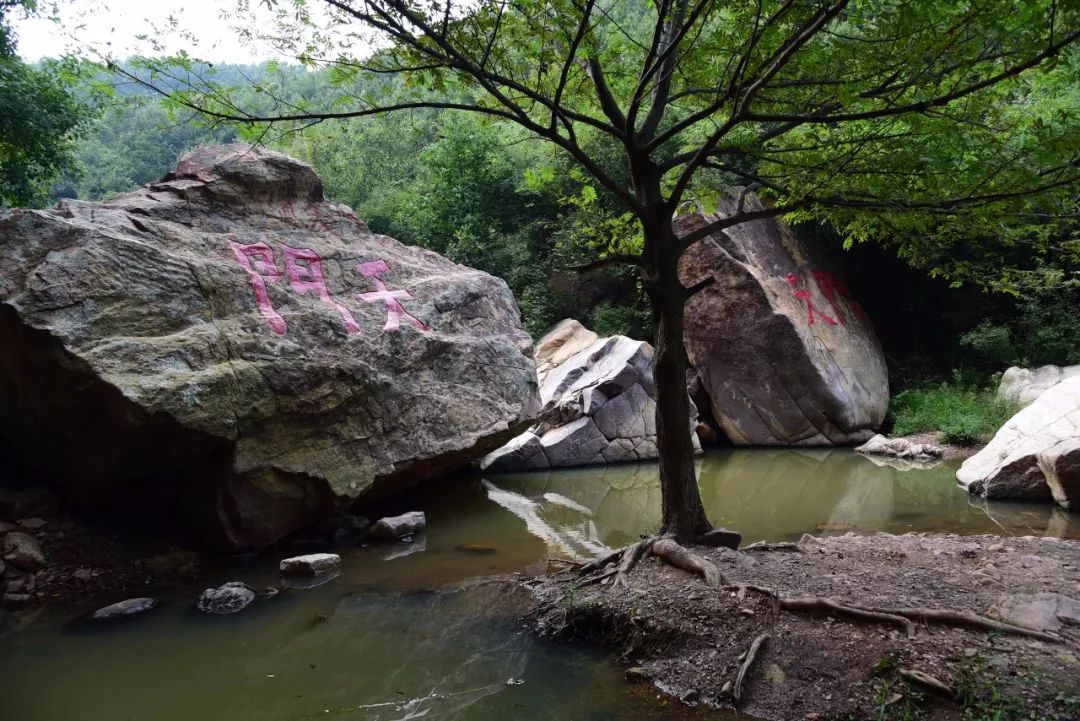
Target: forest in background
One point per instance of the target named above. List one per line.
(487, 195)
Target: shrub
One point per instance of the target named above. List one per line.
(965, 415)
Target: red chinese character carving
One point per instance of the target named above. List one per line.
(394, 310)
(831, 287)
(260, 264)
(309, 278)
(804, 295)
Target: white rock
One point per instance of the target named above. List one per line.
(312, 564)
(1024, 385)
(1008, 467)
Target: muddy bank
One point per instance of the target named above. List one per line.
(672, 631)
(68, 560)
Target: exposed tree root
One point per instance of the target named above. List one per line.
(674, 554)
(751, 654)
(631, 557)
(828, 605)
(925, 679)
(678, 556)
(966, 618)
(785, 546)
(899, 616)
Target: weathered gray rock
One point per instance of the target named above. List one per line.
(406, 524)
(1038, 611)
(1024, 385)
(3, 569)
(786, 355)
(901, 448)
(262, 355)
(1008, 466)
(1060, 463)
(599, 404)
(229, 598)
(33, 524)
(125, 608)
(22, 551)
(312, 564)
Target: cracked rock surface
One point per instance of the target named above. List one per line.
(599, 404)
(785, 353)
(226, 346)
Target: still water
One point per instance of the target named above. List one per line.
(412, 631)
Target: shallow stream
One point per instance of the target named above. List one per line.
(412, 631)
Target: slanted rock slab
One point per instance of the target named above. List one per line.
(785, 354)
(264, 357)
(599, 404)
(407, 524)
(312, 564)
(1008, 467)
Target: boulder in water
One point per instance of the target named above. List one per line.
(312, 564)
(229, 598)
(1008, 467)
(407, 524)
(263, 356)
(125, 608)
(599, 404)
(785, 353)
(901, 448)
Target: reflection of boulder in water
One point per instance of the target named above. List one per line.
(775, 493)
(624, 501)
(567, 532)
(903, 464)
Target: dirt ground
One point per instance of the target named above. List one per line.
(672, 631)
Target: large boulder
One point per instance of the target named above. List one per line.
(1023, 385)
(786, 355)
(1008, 467)
(226, 346)
(599, 404)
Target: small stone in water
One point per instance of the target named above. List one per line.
(128, 607)
(312, 564)
(229, 598)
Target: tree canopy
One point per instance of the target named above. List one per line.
(40, 117)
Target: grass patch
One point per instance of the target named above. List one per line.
(965, 415)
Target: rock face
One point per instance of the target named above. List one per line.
(786, 355)
(1060, 463)
(1024, 385)
(599, 403)
(1009, 465)
(226, 345)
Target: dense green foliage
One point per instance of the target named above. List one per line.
(1045, 330)
(964, 413)
(40, 118)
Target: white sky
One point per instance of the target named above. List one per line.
(112, 26)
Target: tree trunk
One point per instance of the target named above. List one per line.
(683, 513)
